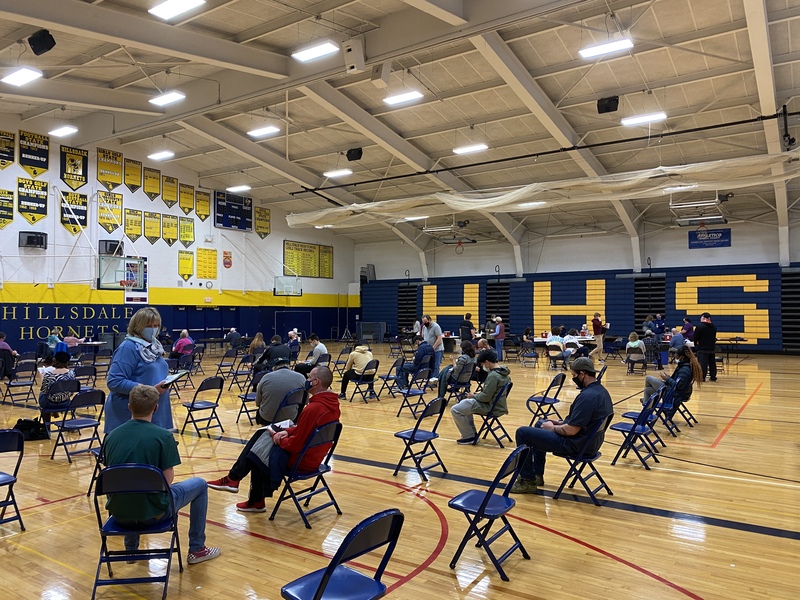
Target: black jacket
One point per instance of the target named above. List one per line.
(705, 337)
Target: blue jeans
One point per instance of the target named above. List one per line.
(498, 348)
(540, 441)
(193, 491)
(437, 361)
(403, 372)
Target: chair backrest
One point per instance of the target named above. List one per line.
(324, 360)
(187, 349)
(597, 428)
(601, 373)
(371, 367)
(434, 408)
(198, 352)
(344, 352)
(130, 479)
(25, 370)
(172, 363)
(295, 397)
(512, 343)
(508, 470)
(185, 362)
(554, 350)
(87, 371)
(381, 529)
(556, 384)
(87, 398)
(210, 383)
(420, 378)
(74, 351)
(501, 394)
(425, 362)
(646, 414)
(26, 356)
(65, 386)
(247, 359)
(635, 353)
(12, 440)
(464, 376)
(230, 353)
(104, 352)
(86, 359)
(573, 345)
(396, 365)
(257, 379)
(528, 347)
(294, 354)
(324, 434)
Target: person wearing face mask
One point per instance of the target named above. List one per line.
(593, 404)
(433, 335)
(138, 359)
(686, 374)
(481, 403)
(266, 464)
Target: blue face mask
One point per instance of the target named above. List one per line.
(308, 384)
(149, 333)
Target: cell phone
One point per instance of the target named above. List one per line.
(276, 428)
(170, 379)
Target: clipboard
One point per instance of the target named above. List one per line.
(170, 379)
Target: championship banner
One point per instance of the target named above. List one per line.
(186, 198)
(109, 210)
(185, 264)
(133, 174)
(8, 144)
(202, 205)
(31, 199)
(186, 231)
(169, 190)
(6, 207)
(152, 183)
(169, 229)
(261, 218)
(34, 152)
(152, 226)
(74, 167)
(133, 224)
(206, 263)
(109, 168)
(74, 211)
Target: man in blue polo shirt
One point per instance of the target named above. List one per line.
(593, 404)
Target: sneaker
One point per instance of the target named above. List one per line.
(524, 486)
(433, 380)
(205, 553)
(342, 396)
(226, 484)
(254, 507)
(539, 479)
(466, 441)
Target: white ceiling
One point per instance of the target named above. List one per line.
(505, 73)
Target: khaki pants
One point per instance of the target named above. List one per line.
(598, 349)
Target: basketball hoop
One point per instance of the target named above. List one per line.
(127, 284)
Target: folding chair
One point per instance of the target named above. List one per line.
(634, 356)
(21, 383)
(250, 398)
(197, 360)
(135, 479)
(511, 349)
(719, 358)
(243, 372)
(296, 397)
(395, 348)
(26, 356)
(87, 375)
(59, 389)
(666, 396)
(197, 406)
(601, 373)
(460, 387)
(636, 434)
(102, 361)
(363, 384)
(324, 360)
(412, 437)
(11, 440)
(491, 422)
(542, 406)
(612, 348)
(226, 365)
(74, 354)
(99, 459)
(338, 581)
(416, 389)
(185, 363)
(75, 424)
(585, 458)
(482, 509)
(294, 354)
(554, 354)
(390, 379)
(341, 361)
(529, 356)
(323, 435)
(86, 359)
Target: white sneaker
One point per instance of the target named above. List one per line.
(433, 380)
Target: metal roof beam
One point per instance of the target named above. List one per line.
(449, 11)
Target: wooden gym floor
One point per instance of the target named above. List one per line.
(717, 518)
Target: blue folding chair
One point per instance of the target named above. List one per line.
(542, 406)
(482, 509)
(59, 393)
(460, 387)
(21, 382)
(11, 440)
(416, 436)
(99, 460)
(135, 479)
(200, 406)
(323, 435)
(243, 372)
(339, 581)
(296, 397)
(416, 390)
(227, 363)
(87, 375)
(529, 356)
(391, 377)
(70, 423)
(395, 348)
(491, 421)
(666, 395)
(586, 458)
(249, 398)
(363, 384)
(636, 434)
(341, 361)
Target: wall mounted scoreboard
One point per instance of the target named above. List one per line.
(232, 211)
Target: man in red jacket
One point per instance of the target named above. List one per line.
(322, 408)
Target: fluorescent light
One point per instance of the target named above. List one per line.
(651, 118)
(401, 98)
(262, 131)
(714, 219)
(63, 131)
(173, 8)
(161, 155)
(531, 204)
(680, 188)
(415, 218)
(238, 188)
(21, 76)
(698, 204)
(470, 149)
(337, 173)
(608, 47)
(319, 49)
(322, 226)
(167, 98)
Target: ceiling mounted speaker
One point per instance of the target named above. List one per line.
(354, 154)
(607, 105)
(354, 60)
(41, 42)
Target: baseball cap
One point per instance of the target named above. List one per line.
(280, 362)
(485, 355)
(583, 364)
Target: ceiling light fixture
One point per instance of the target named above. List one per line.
(697, 204)
(415, 218)
(173, 8)
(606, 48)
(403, 98)
(161, 155)
(470, 149)
(167, 98)
(63, 131)
(235, 189)
(713, 220)
(22, 76)
(323, 226)
(680, 188)
(319, 49)
(641, 119)
(531, 204)
(262, 131)
(337, 173)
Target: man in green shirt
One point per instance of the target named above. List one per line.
(139, 441)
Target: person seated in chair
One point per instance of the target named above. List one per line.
(676, 343)
(409, 368)
(294, 342)
(71, 341)
(164, 338)
(592, 404)
(61, 372)
(481, 403)
(317, 350)
(451, 373)
(572, 338)
(139, 441)
(232, 337)
(555, 339)
(685, 375)
(652, 349)
(637, 345)
(266, 464)
(179, 349)
(276, 350)
(356, 363)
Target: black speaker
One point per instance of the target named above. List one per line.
(354, 154)
(111, 248)
(607, 105)
(32, 239)
(41, 42)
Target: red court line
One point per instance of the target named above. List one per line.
(736, 416)
(45, 502)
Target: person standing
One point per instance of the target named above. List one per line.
(659, 326)
(688, 329)
(598, 331)
(433, 335)
(499, 337)
(466, 331)
(705, 341)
